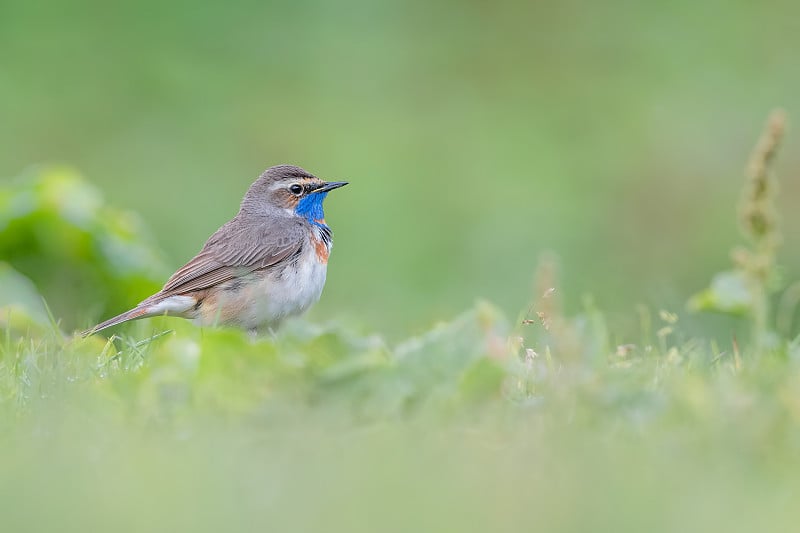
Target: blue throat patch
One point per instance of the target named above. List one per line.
(310, 207)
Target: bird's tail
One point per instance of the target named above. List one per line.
(137, 312)
(159, 304)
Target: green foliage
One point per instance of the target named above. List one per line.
(89, 259)
(224, 372)
(728, 293)
(21, 307)
(462, 428)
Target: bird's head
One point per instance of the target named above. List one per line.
(287, 189)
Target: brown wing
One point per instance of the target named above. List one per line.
(237, 249)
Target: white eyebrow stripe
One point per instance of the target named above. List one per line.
(300, 181)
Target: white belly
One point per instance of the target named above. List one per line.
(290, 292)
(264, 300)
(261, 300)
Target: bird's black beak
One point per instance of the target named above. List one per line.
(325, 187)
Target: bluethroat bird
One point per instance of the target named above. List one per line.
(268, 263)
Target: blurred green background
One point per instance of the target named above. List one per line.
(475, 134)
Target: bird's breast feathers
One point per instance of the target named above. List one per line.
(322, 249)
(264, 298)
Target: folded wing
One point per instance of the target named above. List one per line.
(235, 250)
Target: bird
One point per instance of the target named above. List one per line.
(266, 264)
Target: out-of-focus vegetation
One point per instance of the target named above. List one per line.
(205, 431)
(475, 136)
(81, 254)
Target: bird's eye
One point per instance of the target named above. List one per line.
(296, 189)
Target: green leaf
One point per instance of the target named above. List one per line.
(21, 305)
(729, 293)
(82, 254)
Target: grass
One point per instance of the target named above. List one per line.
(549, 422)
(205, 431)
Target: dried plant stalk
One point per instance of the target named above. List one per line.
(759, 222)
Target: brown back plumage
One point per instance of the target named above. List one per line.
(236, 249)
